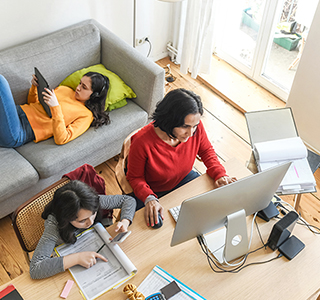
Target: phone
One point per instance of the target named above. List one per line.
(120, 237)
(156, 296)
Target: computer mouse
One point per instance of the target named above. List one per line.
(160, 222)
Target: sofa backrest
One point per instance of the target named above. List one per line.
(56, 55)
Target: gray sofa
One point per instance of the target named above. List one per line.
(28, 169)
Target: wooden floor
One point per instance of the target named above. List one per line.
(227, 131)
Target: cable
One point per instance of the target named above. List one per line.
(150, 46)
(234, 270)
(261, 239)
(284, 210)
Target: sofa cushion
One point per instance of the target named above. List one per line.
(118, 90)
(17, 173)
(56, 55)
(92, 147)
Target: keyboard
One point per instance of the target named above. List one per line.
(174, 211)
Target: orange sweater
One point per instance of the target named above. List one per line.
(69, 119)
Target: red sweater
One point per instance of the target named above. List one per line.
(155, 166)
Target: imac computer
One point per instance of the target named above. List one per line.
(227, 208)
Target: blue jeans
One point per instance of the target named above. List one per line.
(192, 175)
(15, 129)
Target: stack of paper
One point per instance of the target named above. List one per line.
(299, 177)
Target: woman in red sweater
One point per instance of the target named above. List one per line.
(162, 153)
(73, 112)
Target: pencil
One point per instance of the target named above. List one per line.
(100, 248)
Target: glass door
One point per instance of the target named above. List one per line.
(264, 39)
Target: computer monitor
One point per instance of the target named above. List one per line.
(227, 208)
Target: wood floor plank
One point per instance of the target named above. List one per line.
(220, 108)
(12, 260)
(181, 80)
(317, 178)
(236, 88)
(226, 144)
(309, 208)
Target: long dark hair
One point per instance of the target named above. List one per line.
(175, 106)
(96, 102)
(66, 203)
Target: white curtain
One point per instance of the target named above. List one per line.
(198, 37)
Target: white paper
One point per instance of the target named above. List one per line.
(102, 276)
(277, 150)
(299, 176)
(158, 278)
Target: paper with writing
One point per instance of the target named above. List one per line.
(102, 276)
(158, 278)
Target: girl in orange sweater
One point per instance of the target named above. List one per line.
(73, 112)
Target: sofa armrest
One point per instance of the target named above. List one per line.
(145, 77)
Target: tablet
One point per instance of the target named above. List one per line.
(42, 84)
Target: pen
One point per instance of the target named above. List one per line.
(100, 248)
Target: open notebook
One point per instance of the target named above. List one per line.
(103, 276)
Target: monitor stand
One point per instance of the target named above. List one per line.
(231, 241)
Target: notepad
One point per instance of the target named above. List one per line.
(103, 276)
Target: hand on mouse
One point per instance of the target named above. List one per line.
(152, 209)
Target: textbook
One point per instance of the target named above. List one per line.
(103, 276)
(274, 140)
(159, 278)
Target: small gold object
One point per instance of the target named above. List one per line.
(131, 291)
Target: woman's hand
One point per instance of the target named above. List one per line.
(50, 98)
(122, 226)
(85, 259)
(151, 211)
(34, 80)
(224, 181)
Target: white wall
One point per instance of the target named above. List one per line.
(304, 98)
(22, 21)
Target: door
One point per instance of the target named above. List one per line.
(264, 39)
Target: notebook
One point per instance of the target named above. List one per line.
(42, 84)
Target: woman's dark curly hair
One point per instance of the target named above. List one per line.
(175, 106)
(96, 102)
(66, 203)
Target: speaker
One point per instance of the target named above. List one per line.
(281, 231)
(268, 213)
